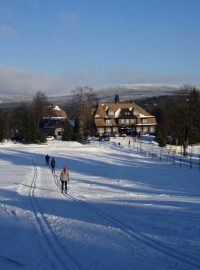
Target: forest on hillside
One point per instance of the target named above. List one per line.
(178, 117)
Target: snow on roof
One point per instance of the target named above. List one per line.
(145, 116)
(56, 108)
(117, 113)
(55, 111)
(54, 117)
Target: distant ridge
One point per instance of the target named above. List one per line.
(13, 99)
(133, 91)
(125, 92)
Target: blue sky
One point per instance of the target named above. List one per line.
(56, 45)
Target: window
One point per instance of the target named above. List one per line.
(100, 130)
(133, 121)
(110, 113)
(152, 129)
(127, 121)
(108, 121)
(144, 121)
(145, 129)
(121, 121)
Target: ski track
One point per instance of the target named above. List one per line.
(53, 245)
(60, 256)
(129, 232)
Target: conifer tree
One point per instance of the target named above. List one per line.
(68, 133)
(3, 126)
(28, 129)
(179, 118)
(116, 98)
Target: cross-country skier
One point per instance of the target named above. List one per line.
(64, 178)
(47, 160)
(53, 164)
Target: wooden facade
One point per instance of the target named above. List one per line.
(123, 118)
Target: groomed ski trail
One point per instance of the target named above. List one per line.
(59, 255)
(178, 256)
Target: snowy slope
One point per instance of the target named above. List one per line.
(122, 211)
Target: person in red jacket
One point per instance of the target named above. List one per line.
(64, 178)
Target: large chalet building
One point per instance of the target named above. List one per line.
(123, 118)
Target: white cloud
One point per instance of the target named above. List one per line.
(18, 81)
(7, 30)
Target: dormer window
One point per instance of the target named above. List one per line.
(135, 112)
(111, 113)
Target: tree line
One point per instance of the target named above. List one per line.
(178, 117)
(23, 123)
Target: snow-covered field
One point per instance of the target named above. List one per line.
(123, 211)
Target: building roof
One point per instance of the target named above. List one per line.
(55, 112)
(117, 107)
(115, 111)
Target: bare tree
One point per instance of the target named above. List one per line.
(80, 106)
(40, 105)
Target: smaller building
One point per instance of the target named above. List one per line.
(123, 118)
(53, 122)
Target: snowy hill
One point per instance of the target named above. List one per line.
(123, 211)
(12, 100)
(131, 91)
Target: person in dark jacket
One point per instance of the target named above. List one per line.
(47, 160)
(53, 165)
